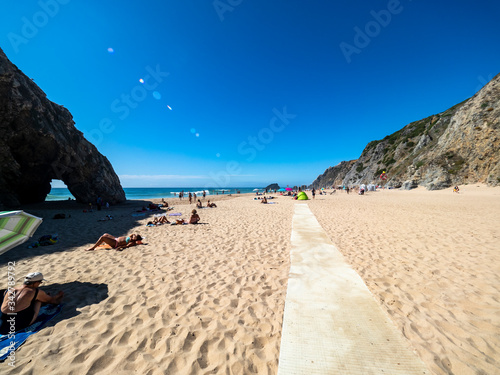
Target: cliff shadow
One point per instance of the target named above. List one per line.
(79, 227)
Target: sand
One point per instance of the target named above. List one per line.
(209, 299)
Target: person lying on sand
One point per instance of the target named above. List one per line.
(211, 205)
(195, 218)
(117, 243)
(179, 222)
(161, 220)
(264, 200)
(25, 302)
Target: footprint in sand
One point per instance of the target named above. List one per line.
(152, 311)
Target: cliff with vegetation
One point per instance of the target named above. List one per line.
(458, 146)
(40, 142)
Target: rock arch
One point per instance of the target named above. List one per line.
(39, 143)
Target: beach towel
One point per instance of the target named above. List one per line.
(11, 342)
(105, 246)
(175, 214)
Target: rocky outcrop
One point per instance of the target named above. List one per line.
(333, 176)
(458, 146)
(274, 186)
(39, 143)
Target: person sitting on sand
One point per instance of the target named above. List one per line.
(117, 243)
(211, 205)
(195, 218)
(25, 302)
(264, 200)
(198, 204)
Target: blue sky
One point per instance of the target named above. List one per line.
(260, 91)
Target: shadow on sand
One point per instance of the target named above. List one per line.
(76, 295)
(125, 217)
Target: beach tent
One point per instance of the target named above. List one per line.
(302, 196)
(15, 228)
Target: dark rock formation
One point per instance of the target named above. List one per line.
(333, 176)
(272, 187)
(460, 145)
(39, 143)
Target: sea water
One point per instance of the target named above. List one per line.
(58, 194)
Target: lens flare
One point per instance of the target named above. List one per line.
(193, 130)
(141, 80)
(169, 107)
(156, 95)
(111, 50)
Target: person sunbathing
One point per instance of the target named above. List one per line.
(198, 204)
(160, 220)
(195, 218)
(20, 306)
(211, 205)
(117, 243)
(264, 200)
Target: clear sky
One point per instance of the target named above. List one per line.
(242, 93)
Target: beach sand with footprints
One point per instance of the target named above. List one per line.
(209, 298)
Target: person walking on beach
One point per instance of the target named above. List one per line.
(190, 197)
(20, 306)
(313, 192)
(99, 203)
(117, 243)
(204, 194)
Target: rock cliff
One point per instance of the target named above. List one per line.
(274, 186)
(39, 143)
(458, 146)
(333, 176)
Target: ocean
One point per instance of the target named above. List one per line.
(63, 194)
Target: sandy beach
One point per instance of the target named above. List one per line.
(209, 298)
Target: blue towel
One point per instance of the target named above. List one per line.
(8, 345)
